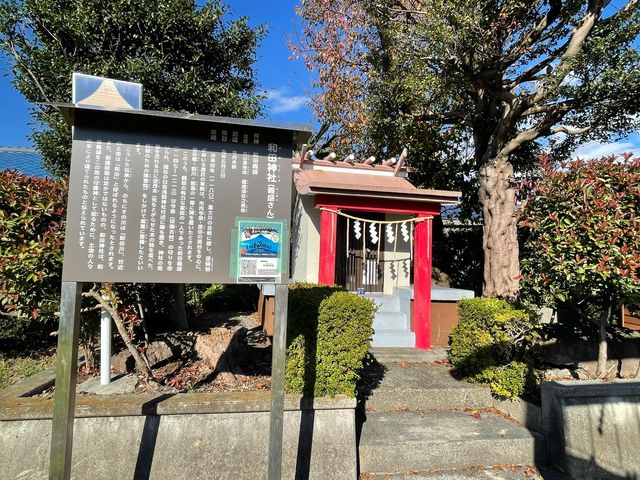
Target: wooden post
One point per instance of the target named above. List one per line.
(328, 231)
(64, 400)
(422, 283)
(278, 359)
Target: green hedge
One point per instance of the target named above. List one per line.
(329, 334)
(490, 343)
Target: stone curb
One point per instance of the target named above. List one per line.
(16, 404)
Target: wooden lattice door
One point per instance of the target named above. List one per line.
(359, 261)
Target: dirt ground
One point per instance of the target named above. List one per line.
(250, 362)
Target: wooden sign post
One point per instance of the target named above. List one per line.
(157, 197)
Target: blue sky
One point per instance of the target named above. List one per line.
(286, 83)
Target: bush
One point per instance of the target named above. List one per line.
(329, 333)
(506, 381)
(581, 246)
(11, 329)
(32, 214)
(490, 343)
(224, 298)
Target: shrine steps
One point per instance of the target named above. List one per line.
(420, 419)
(400, 442)
(391, 323)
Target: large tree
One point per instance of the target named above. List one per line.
(187, 56)
(501, 77)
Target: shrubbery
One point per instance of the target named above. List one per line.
(32, 214)
(490, 342)
(221, 297)
(329, 333)
(581, 229)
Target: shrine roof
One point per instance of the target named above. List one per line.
(313, 182)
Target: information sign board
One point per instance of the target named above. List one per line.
(178, 199)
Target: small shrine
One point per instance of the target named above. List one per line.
(363, 225)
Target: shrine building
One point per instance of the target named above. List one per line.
(364, 226)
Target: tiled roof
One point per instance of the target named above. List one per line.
(312, 182)
(25, 160)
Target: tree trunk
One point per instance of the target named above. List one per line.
(89, 353)
(142, 364)
(179, 306)
(500, 234)
(88, 339)
(602, 348)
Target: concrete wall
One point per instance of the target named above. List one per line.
(194, 436)
(305, 233)
(592, 428)
(397, 267)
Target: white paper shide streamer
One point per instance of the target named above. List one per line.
(390, 233)
(357, 229)
(373, 233)
(404, 229)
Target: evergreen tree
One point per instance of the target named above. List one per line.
(477, 87)
(188, 58)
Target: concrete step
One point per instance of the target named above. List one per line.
(394, 355)
(393, 338)
(391, 321)
(498, 472)
(416, 386)
(411, 441)
(385, 303)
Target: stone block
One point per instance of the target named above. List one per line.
(591, 428)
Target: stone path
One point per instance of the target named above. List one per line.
(421, 423)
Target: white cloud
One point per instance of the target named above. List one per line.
(279, 101)
(598, 149)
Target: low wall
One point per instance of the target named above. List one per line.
(192, 435)
(592, 428)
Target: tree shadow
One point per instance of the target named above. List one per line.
(599, 422)
(149, 437)
(370, 379)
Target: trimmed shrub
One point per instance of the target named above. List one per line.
(223, 298)
(472, 340)
(490, 343)
(329, 333)
(506, 381)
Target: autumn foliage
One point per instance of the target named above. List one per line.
(583, 236)
(32, 212)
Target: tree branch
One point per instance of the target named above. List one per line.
(16, 55)
(574, 46)
(555, 6)
(569, 130)
(560, 107)
(141, 360)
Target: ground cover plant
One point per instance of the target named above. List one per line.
(15, 366)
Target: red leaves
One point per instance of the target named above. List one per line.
(32, 230)
(582, 226)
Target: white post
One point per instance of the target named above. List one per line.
(105, 347)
